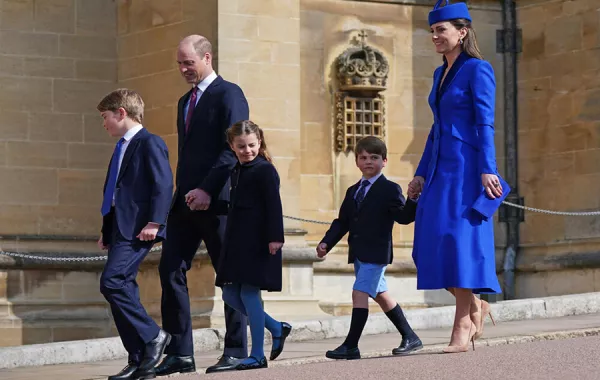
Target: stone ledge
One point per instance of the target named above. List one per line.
(212, 339)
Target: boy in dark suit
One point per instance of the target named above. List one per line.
(137, 197)
(368, 213)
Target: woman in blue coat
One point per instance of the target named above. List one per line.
(454, 244)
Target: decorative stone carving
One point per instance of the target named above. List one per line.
(362, 73)
(362, 68)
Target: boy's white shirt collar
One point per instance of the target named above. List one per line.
(132, 132)
(372, 179)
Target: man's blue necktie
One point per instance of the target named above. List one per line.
(360, 195)
(112, 178)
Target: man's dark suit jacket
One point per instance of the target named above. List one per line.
(370, 226)
(143, 190)
(203, 163)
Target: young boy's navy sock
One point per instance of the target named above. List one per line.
(357, 324)
(399, 320)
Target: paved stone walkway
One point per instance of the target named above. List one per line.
(297, 353)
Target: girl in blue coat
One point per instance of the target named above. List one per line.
(251, 253)
(454, 244)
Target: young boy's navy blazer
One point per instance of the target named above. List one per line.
(370, 225)
(144, 188)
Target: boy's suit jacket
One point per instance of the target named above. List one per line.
(144, 188)
(205, 160)
(370, 226)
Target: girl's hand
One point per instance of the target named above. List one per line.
(492, 186)
(274, 247)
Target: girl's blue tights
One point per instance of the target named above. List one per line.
(246, 299)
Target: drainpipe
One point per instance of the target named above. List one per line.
(510, 45)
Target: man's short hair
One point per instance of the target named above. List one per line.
(371, 145)
(202, 46)
(124, 98)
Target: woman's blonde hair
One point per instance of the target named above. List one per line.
(247, 127)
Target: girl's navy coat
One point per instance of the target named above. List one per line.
(255, 219)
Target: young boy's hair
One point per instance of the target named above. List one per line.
(371, 145)
(247, 127)
(124, 98)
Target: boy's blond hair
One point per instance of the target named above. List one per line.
(124, 98)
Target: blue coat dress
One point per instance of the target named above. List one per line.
(454, 246)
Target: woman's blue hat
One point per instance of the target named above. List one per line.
(448, 12)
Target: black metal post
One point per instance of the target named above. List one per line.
(513, 216)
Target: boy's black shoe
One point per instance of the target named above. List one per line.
(343, 352)
(126, 372)
(410, 344)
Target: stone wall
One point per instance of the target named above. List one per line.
(57, 59)
(559, 145)
(259, 49)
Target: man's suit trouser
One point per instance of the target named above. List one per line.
(119, 287)
(185, 230)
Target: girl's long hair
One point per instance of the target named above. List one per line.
(469, 44)
(247, 127)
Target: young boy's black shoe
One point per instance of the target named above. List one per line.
(408, 345)
(343, 352)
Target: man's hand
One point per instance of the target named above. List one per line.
(197, 199)
(274, 246)
(322, 250)
(101, 244)
(149, 232)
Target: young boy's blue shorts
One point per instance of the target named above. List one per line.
(370, 278)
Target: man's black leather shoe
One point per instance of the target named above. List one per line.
(343, 352)
(153, 352)
(280, 340)
(256, 364)
(126, 372)
(174, 364)
(408, 345)
(225, 363)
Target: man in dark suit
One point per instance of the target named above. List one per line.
(368, 213)
(137, 195)
(205, 162)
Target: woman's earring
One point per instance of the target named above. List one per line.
(460, 41)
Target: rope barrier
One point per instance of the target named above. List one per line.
(156, 249)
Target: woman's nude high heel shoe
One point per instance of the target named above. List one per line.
(465, 348)
(485, 311)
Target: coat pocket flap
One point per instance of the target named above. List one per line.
(467, 136)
